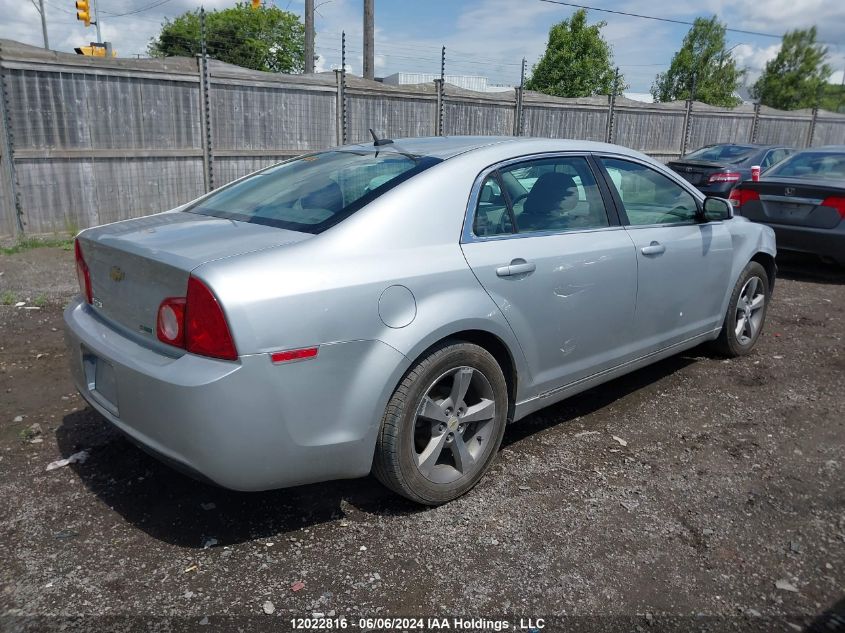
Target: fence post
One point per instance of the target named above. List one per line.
(438, 115)
(611, 108)
(441, 93)
(344, 115)
(7, 155)
(339, 107)
(519, 113)
(688, 118)
(812, 129)
(205, 110)
(753, 136)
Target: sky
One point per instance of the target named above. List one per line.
(482, 37)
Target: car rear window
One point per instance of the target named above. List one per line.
(314, 192)
(722, 153)
(826, 165)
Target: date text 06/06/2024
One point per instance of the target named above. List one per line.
(531, 625)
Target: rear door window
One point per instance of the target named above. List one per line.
(554, 194)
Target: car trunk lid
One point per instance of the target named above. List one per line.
(793, 201)
(136, 264)
(697, 171)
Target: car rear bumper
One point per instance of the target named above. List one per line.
(247, 424)
(802, 239)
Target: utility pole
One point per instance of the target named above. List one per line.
(309, 36)
(97, 22)
(43, 23)
(369, 40)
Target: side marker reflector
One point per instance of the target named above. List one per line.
(290, 355)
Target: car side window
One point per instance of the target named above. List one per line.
(648, 196)
(772, 158)
(492, 216)
(554, 194)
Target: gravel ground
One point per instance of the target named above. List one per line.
(722, 509)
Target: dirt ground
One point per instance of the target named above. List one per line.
(724, 511)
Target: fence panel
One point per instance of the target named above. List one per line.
(830, 129)
(776, 127)
(656, 128)
(473, 114)
(710, 125)
(554, 117)
(392, 112)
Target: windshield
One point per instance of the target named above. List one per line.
(722, 153)
(824, 165)
(314, 192)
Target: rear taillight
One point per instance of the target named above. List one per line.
(837, 202)
(170, 325)
(196, 323)
(739, 196)
(725, 176)
(83, 275)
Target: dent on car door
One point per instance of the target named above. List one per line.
(541, 242)
(683, 265)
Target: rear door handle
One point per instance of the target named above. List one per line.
(655, 248)
(517, 266)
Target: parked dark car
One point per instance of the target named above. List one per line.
(803, 200)
(716, 169)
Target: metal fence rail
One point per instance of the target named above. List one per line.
(85, 141)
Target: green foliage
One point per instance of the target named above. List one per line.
(28, 243)
(833, 98)
(266, 38)
(577, 62)
(702, 60)
(8, 298)
(797, 77)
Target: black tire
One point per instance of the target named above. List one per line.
(729, 343)
(403, 431)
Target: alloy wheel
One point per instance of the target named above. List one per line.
(749, 310)
(454, 425)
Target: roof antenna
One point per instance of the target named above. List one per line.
(379, 141)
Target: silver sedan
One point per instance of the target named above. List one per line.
(390, 307)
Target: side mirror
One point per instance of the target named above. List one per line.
(716, 209)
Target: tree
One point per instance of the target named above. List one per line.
(266, 38)
(704, 62)
(577, 62)
(797, 76)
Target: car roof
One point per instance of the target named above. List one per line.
(445, 147)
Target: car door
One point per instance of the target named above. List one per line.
(683, 264)
(542, 242)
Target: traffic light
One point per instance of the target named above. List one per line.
(93, 51)
(256, 4)
(83, 12)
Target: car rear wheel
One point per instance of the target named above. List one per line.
(746, 312)
(443, 425)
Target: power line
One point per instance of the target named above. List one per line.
(146, 8)
(651, 17)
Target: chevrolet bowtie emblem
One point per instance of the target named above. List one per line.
(116, 273)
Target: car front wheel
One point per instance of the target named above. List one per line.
(443, 425)
(746, 312)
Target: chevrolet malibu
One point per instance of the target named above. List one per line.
(390, 307)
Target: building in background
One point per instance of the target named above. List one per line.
(467, 82)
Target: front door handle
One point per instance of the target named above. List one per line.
(655, 248)
(517, 266)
